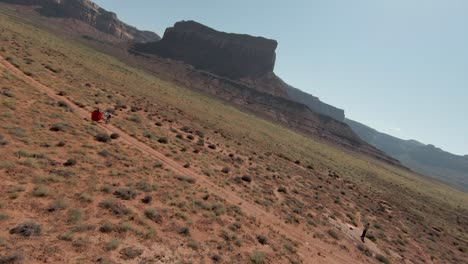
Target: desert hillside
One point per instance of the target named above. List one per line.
(179, 177)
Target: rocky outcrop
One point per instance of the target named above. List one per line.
(234, 56)
(91, 14)
(315, 104)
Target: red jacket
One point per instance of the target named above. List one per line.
(96, 115)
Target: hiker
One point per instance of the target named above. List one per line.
(96, 115)
(108, 116)
(364, 232)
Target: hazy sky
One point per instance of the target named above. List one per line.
(399, 66)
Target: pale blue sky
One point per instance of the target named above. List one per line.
(399, 66)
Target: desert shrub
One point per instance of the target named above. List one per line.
(68, 236)
(153, 215)
(382, 259)
(163, 140)
(11, 259)
(187, 129)
(3, 217)
(364, 250)
(28, 73)
(262, 239)
(289, 247)
(201, 142)
(333, 234)
(69, 163)
(7, 92)
(61, 144)
(212, 146)
(186, 179)
(58, 204)
(200, 134)
(3, 141)
(125, 194)
(74, 216)
(27, 229)
(179, 136)
(158, 124)
(112, 245)
(144, 186)
(147, 199)
(106, 227)
(158, 165)
(58, 127)
(247, 178)
(106, 189)
(83, 228)
(62, 173)
(148, 135)
(114, 136)
(190, 137)
(41, 191)
(216, 258)
(282, 189)
(135, 119)
(371, 237)
(225, 170)
(257, 257)
(185, 231)
(103, 137)
(86, 197)
(193, 244)
(63, 104)
(115, 207)
(130, 253)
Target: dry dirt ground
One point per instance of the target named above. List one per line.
(309, 249)
(186, 179)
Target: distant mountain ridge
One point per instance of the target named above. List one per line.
(425, 159)
(90, 14)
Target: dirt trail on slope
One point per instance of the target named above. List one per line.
(309, 247)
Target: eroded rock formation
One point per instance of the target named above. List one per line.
(229, 55)
(90, 13)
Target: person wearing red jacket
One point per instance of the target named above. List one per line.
(97, 115)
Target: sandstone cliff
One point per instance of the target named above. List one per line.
(234, 56)
(91, 14)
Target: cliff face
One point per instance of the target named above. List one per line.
(315, 104)
(92, 15)
(234, 56)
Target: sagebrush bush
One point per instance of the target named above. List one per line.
(27, 229)
(102, 137)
